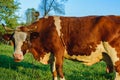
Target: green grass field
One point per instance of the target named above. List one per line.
(29, 69)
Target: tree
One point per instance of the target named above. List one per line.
(48, 7)
(31, 15)
(7, 12)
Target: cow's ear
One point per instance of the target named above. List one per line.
(34, 35)
(7, 37)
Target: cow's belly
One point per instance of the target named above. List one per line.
(93, 58)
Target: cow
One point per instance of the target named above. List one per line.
(88, 39)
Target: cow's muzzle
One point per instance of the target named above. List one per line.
(18, 57)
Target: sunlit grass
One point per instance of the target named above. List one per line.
(29, 69)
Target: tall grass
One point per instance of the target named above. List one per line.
(29, 69)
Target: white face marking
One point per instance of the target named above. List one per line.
(117, 76)
(45, 59)
(88, 60)
(57, 24)
(111, 52)
(19, 37)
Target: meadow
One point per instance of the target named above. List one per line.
(29, 69)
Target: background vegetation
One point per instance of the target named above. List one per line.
(29, 69)
(8, 8)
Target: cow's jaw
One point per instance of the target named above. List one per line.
(19, 37)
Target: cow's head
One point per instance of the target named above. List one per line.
(21, 39)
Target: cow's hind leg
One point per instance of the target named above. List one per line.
(113, 54)
(109, 63)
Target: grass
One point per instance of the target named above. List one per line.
(29, 69)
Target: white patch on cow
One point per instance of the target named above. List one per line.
(45, 59)
(62, 78)
(55, 78)
(19, 37)
(91, 59)
(54, 65)
(117, 76)
(97, 55)
(57, 24)
(111, 52)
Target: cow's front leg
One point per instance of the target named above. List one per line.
(56, 67)
(53, 66)
(59, 66)
(60, 71)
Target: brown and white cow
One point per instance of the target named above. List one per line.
(87, 39)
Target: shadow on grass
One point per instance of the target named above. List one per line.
(26, 68)
(8, 63)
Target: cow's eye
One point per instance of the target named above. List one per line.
(34, 35)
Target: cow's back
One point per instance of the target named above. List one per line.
(82, 35)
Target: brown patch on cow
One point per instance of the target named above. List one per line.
(95, 56)
(25, 47)
(35, 54)
(24, 29)
(117, 66)
(75, 35)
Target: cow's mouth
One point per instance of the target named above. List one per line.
(18, 57)
(17, 60)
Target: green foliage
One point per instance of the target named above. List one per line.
(48, 7)
(1, 30)
(7, 12)
(29, 69)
